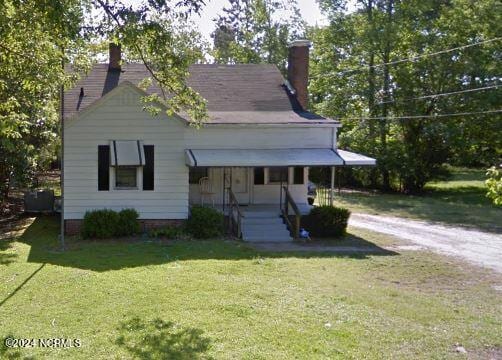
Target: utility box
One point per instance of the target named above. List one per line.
(39, 201)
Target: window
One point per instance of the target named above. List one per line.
(196, 173)
(259, 176)
(298, 175)
(277, 174)
(126, 177)
(132, 164)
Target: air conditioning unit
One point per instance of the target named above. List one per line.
(39, 201)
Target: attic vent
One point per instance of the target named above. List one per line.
(81, 92)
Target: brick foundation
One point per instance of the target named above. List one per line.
(72, 227)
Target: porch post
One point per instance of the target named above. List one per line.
(280, 195)
(223, 189)
(332, 185)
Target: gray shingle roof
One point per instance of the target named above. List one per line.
(240, 94)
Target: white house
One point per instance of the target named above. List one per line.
(257, 145)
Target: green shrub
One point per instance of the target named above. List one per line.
(169, 232)
(326, 221)
(103, 224)
(128, 223)
(494, 185)
(205, 222)
(100, 224)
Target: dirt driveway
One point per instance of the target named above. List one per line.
(481, 248)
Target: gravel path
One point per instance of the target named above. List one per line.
(481, 248)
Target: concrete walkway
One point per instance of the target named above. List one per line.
(477, 247)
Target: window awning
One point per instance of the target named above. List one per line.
(273, 157)
(127, 153)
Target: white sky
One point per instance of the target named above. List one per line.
(309, 10)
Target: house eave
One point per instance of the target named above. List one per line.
(273, 125)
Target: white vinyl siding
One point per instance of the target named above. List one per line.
(120, 117)
(220, 137)
(256, 137)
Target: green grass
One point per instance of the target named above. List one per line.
(461, 178)
(459, 201)
(220, 299)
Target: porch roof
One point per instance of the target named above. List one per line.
(355, 159)
(273, 157)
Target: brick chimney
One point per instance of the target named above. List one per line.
(298, 69)
(115, 57)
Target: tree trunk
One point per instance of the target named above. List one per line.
(386, 98)
(4, 182)
(371, 91)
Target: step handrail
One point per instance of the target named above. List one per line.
(289, 201)
(234, 207)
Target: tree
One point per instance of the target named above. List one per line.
(256, 31)
(38, 37)
(31, 42)
(356, 77)
(494, 185)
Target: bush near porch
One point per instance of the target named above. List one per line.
(204, 222)
(326, 221)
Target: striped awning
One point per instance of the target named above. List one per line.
(273, 157)
(127, 153)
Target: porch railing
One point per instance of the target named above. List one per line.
(324, 195)
(290, 202)
(234, 214)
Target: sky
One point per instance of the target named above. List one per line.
(309, 10)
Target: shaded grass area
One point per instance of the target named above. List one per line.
(459, 201)
(220, 299)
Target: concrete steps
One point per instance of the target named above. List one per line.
(264, 226)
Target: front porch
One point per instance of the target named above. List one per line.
(264, 192)
(259, 188)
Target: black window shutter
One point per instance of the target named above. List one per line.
(298, 175)
(103, 167)
(148, 168)
(259, 176)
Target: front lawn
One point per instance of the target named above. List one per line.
(220, 299)
(459, 201)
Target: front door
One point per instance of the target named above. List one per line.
(240, 184)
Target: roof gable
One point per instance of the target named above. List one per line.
(120, 89)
